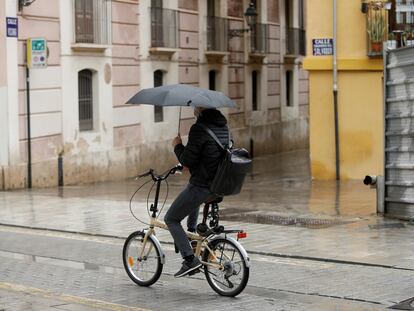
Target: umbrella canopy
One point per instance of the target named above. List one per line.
(181, 95)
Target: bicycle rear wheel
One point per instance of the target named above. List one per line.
(142, 262)
(233, 277)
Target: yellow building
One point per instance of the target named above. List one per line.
(359, 92)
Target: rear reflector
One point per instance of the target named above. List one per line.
(241, 235)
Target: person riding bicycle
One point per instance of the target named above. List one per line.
(202, 156)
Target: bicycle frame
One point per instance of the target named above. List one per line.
(201, 242)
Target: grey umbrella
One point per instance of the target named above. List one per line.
(181, 95)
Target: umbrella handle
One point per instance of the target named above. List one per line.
(179, 122)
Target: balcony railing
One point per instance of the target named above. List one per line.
(260, 39)
(295, 41)
(93, 21)
(217, 34)
(400, 26)
(164, 28)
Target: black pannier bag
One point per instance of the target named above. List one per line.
(232, 169)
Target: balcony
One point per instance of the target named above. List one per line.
(92, 24)
(295, 41)
(217, 38)
(164, 31)
(398, 17)
(260, 39)
(217, 34)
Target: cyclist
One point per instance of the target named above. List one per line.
(202, 156)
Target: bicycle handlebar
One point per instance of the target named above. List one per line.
(164, 175)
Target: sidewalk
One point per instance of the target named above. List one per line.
(284, 213)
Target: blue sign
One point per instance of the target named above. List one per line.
(12, 27)
(322, 47)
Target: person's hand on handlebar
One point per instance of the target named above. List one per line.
(179, 167)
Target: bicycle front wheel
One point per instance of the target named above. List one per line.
(142, 262)
(226, 271)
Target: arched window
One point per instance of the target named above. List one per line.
(254, 90)
(212, 80)
(85, 100)
(158, 111)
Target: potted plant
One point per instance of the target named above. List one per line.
(376, 30)
(392, 42)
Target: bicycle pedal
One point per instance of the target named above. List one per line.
(193, 245)
(194, 272)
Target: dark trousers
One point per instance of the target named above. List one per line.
(186, 204)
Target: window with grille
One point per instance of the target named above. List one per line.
(259, 38)
(85, 100)
(295, 28)
(217, 28)
(158, 110)
(401, 21)
(92, 21)
(164, 26)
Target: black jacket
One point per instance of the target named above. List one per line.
(202, 154)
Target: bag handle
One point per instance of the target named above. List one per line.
(211, 133)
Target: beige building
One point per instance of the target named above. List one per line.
(101, 52)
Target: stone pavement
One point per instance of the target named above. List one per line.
(279, 194)
(89, 270)
(313, 246)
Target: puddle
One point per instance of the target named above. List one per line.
(269, 219)
(386, 226)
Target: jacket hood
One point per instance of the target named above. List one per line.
(212, 116)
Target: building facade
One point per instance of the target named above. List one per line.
(101, 52)
(364, 28)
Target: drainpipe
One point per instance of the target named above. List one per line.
(335, 89)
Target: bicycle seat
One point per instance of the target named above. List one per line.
(213, 200)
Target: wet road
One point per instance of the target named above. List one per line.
(357, 261)
(278, 183)
(43, 270)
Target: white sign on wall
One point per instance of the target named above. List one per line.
(322, 47)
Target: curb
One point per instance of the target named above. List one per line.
(270, 254)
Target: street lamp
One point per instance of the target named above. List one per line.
(23, 3)
(251, 19)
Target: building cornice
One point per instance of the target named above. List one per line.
(344, 64)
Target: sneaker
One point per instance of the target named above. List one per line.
(194, 272)
(187, 267)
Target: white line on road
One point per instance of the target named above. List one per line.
(94, 303)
